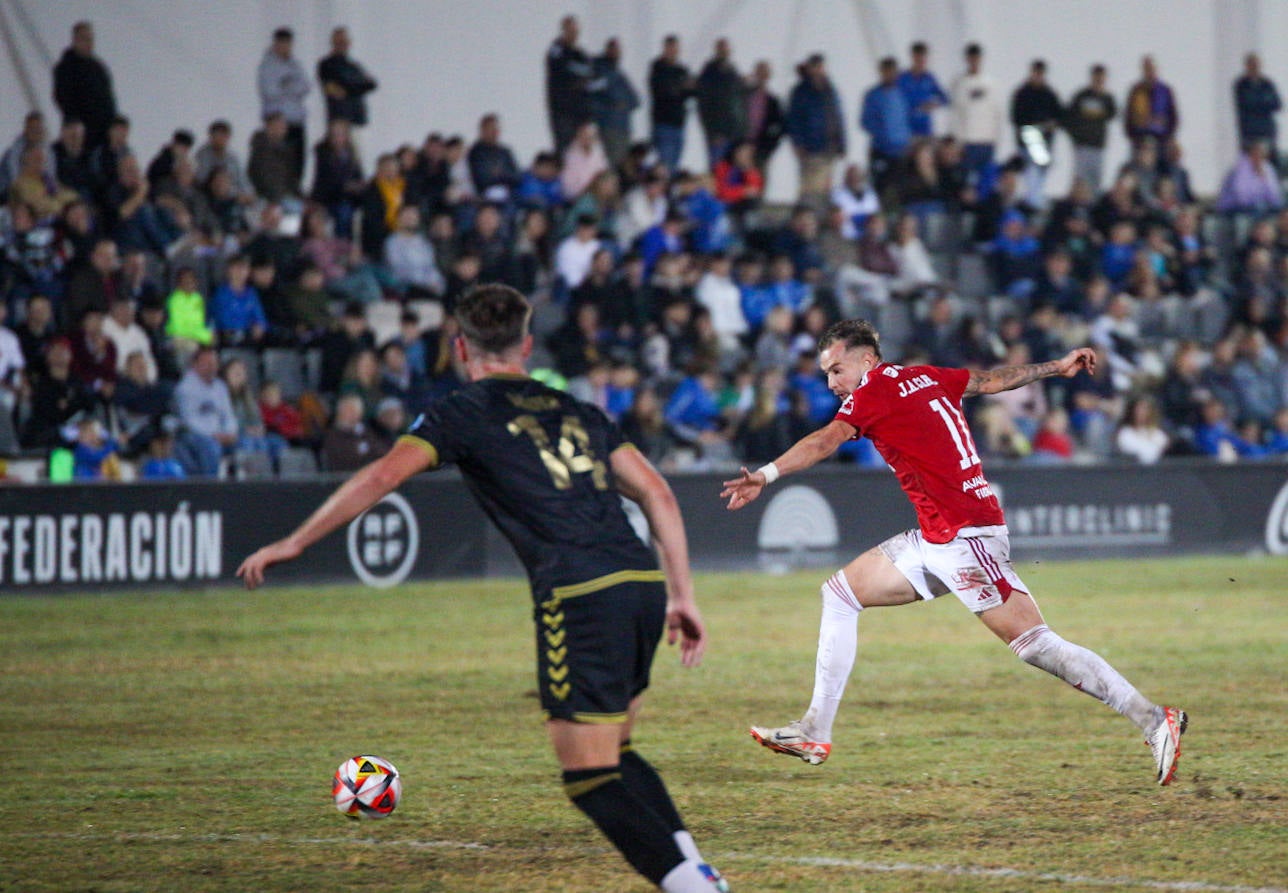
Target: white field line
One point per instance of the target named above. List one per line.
(859, 866)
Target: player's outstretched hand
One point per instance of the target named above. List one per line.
(1083, 359)
(684, 625)
(252, 569)
(742, 490)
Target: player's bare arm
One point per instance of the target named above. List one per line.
(641, 483)
(359, 493)
(806, 452)
(1006, 378)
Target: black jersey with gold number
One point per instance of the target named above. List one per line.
(537, 460)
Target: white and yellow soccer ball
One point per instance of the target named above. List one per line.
(366, 787)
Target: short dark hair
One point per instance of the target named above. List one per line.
(220, 126)
(920, 47)
(493, 318)
(853, 333)
(1098, 69)
(974, 49)
(183, 138)
(283, 34)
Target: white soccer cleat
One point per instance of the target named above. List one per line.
(792, 741)
(1165, 742)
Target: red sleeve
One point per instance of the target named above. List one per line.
(954, 381)
(851, 414)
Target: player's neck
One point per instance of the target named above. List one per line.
(490, 368)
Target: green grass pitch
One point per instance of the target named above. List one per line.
(186, 741)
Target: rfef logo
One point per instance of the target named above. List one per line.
(383, 542)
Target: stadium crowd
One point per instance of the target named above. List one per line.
(214, 313)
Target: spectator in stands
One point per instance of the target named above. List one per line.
(35, 332)
(1035, 114)
(575, 253)
(217, 154)
(855, 200)
(350, 442)
(601, 200)
(933, 336)
(739, 183)
(568, 78)
(13, 383)
(274, 169)
(1151, 109)
(921, 91)
(1277, 437)
(71, 159)
(253, 438)
(1256, 102)
(1119, 253)
(1215, 437)
(1056, 285)
(57, 397)
(1140, 436)
(1252, 185)
(816, 127)
(578, 344)
(765, 122)
(209, 422)
(93, 286)
(105, 160)
(236, 314)
(283, 85)
(540, 186)
(136, 222)
(886, 118)
(916, 270)
(83, 86)
(345, 83)
(152, 317)
(644, 207)
(784, 285)
(31, 137)
(461, 277)
(693, 412)
(494, 171)
(977, 112)
(410, 258)
(1086, 120)
(279, 416)
(583, 160)
(918, 185)
(127, 336)
(799, 241)
(1016, 258)
(186, 314)
(161, 463)
(1094, 404)
(710, 229)
(1004, 198)
(139, 403)
(162, 165)
(613, 102)
(381, 202)
(32, 187)
(722, 105)
(337, 176)
(398, 379)
(534, 252)
(94, 455)
(1053, 442)
(718, 292)
(670, 85)
(30, 259)
(1256, 372)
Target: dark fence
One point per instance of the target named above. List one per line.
(112, 537)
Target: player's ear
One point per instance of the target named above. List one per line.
(526, 349)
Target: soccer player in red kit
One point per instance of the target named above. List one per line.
(913, 416)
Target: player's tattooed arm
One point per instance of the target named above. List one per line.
(1006, 378)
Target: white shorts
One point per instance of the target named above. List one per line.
(975, 565)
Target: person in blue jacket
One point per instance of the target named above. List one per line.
(816, 128)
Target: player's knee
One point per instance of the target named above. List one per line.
(838, 596)
(1030, 645)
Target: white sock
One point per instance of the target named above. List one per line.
(838, 640)
(688, 846)
(687, 877)
(1086, 671)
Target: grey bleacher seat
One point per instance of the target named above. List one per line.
(298, 462)
(941, 232)
(249, 357)
(974, 279)
(313, 368)
(253, 465)
(894, 321)
(285, 366)
(383, 317)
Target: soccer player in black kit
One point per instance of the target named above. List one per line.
(548, 470)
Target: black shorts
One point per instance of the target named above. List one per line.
(594, 651)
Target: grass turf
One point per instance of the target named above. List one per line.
(186, 741)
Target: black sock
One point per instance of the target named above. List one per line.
(644, 782)
(634, 828)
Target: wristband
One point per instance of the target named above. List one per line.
(770, 472)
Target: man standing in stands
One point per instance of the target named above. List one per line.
(83, 86)
(345, 82)
(977, 113)
(613, 102)
(568, 76)
(816, 128)
(1256, 102)
(283, 84)
(764, 115)
(885, 116)
(922, 92)
(721, 106)
(669, 87)
(1151, 107)
(1035, 114)
(1086, 119)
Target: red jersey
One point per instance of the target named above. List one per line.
(913, 416)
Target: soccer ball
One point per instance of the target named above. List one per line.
(366, 787)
